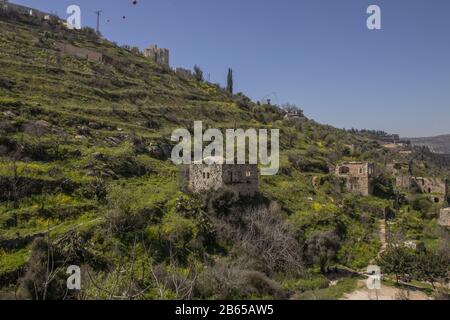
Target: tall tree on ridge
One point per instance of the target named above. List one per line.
(230, 81)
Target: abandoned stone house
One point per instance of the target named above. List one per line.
(82, 53)
(158, 55)
(7, 6)
(444, 217)
(435, 187)
(358, 177)
(201, 178)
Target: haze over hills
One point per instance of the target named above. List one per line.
(438, 144)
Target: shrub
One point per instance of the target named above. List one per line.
(397, 260)
(384, 187)
(94, 189)
(198, 74)
(305, 164)
(123, 215)
(261, 239)
(322, 249)
(225, 283)
(37, 283)
(422, 204)
(178, 231)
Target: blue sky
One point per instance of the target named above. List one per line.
(317, 54)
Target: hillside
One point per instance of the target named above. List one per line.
(439, 144)
(85, 172)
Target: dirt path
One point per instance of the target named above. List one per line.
(382, 235)
(386, 292)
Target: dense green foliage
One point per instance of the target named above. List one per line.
(84, 174)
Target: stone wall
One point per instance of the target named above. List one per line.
(428, 185)
(242, 179)
(358, 177)
(444, 218)
(403, 182)
(82, 53)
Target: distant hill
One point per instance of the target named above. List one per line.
(439, 144)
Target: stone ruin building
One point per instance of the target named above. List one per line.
(444, 217)
(358, 177)
(434, 187)
(201, 178)
(158, 55)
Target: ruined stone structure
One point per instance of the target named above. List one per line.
(184, 73)
(201, 178)
(435, 187)
(444, 217)
(7, 6)
(428, 185)
(358, 177)
(399, 169)
(158, 55)
(82, 53)
(294, 115)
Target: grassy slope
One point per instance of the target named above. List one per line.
(88, 102)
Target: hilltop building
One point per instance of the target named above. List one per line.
(158, 55)
(358, 177)
(444, 217)
(7, 6)
(201, 178)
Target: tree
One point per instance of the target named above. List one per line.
(397, 260)
(431, 267)
(230, 81)
(198, 74)
(322, 248)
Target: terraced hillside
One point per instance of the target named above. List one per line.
(85, 175)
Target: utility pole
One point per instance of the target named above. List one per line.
(98, 13)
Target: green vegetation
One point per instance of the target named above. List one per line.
(84, 174)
